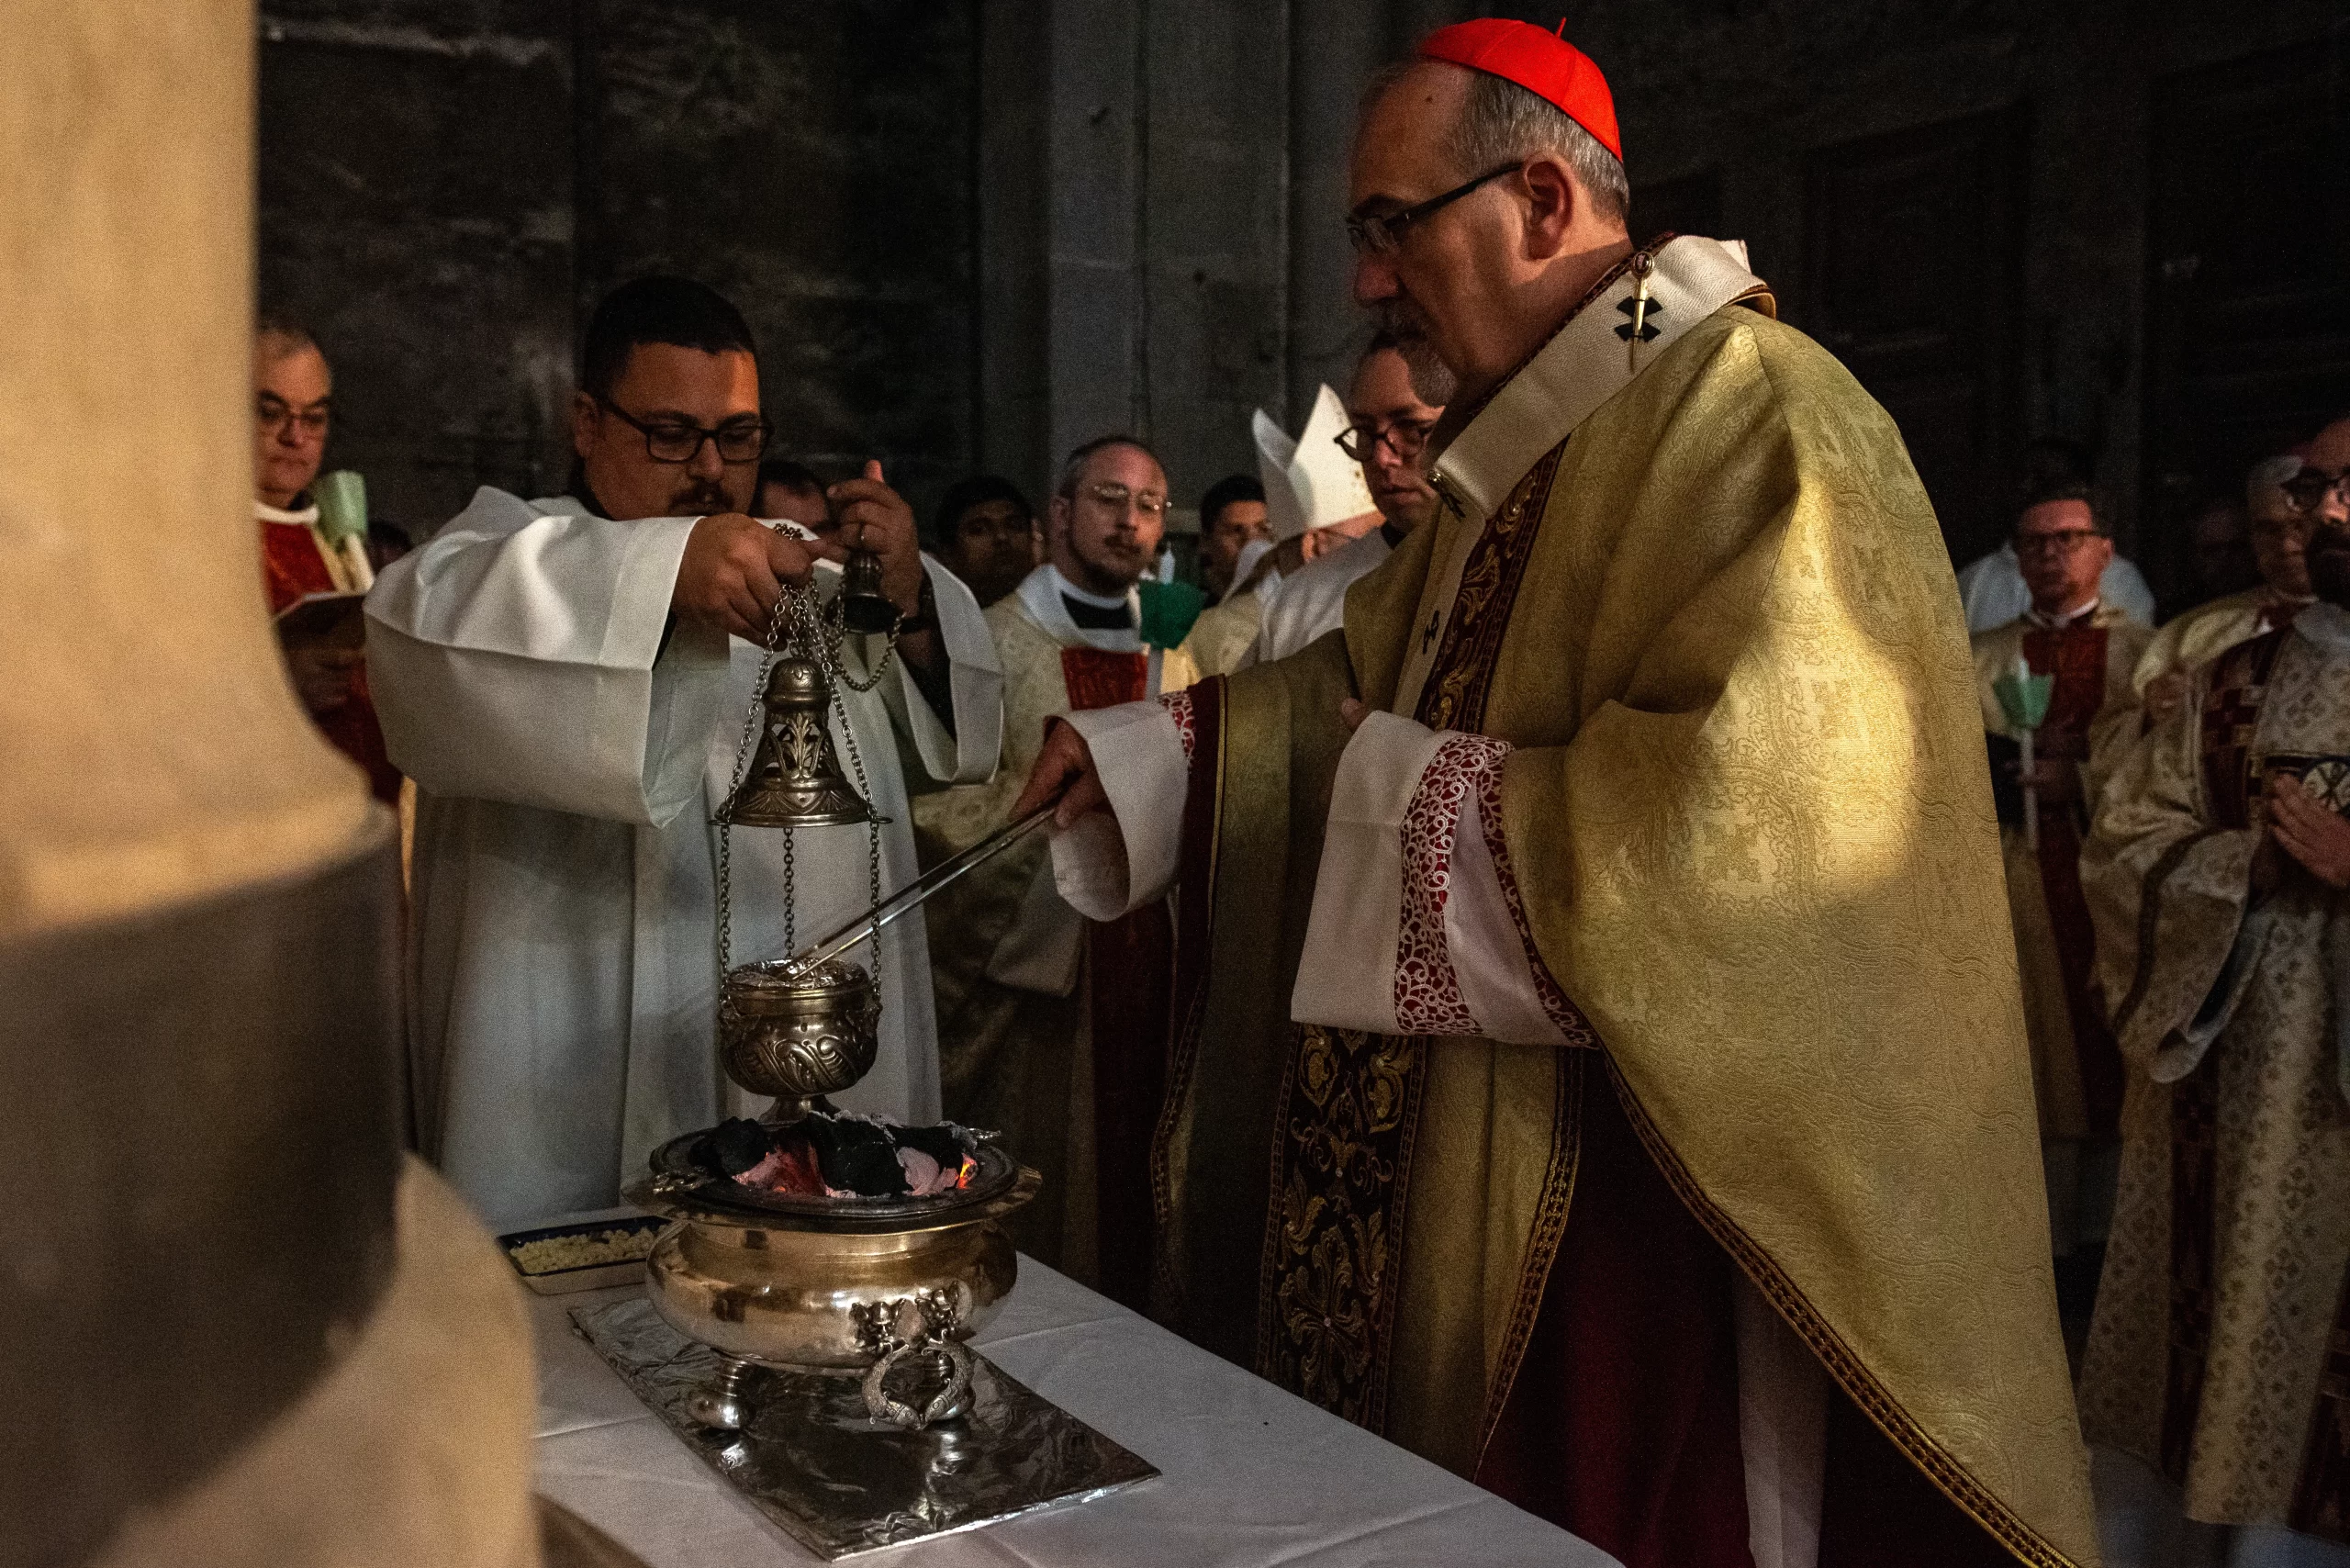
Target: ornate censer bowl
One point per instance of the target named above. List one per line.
(797, 1030)
(812, 1282)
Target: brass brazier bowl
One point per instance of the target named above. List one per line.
(847, 1285)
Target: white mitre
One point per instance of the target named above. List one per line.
(1309, 483)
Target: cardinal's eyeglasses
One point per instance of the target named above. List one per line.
(1378, 233)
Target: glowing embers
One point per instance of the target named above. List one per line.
(828, 1155)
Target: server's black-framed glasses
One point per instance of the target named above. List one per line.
(1378, 233)
(675, 441)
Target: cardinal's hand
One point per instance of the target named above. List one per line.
(1065, 768)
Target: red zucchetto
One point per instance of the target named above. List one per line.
(1543, 64)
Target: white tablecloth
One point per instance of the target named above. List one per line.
(1249, 1475)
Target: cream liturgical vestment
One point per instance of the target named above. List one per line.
(570, 739)
(2189, 641)
(2221, 1351)
(1604, 1071)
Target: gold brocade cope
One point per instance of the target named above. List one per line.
(1748, 813)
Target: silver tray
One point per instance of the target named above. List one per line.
(838, 1482)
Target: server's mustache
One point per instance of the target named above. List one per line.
(706, 495)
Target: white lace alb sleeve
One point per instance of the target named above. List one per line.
(1418, 926)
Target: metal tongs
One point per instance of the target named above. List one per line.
(913, 893)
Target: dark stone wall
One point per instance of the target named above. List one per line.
(1746, 93)
(973, 232)
(446, 186)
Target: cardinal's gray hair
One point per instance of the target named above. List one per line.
(1503, 123)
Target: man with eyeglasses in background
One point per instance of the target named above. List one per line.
(1050, 1033)
(2278, 533)
(322, 638)
(2092, 649)
(2219, 887)
(1391, 421)
(1991, 588)
(565, 680)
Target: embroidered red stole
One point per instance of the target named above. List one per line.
(1097, 677)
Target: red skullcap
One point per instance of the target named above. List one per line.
(1543, 64)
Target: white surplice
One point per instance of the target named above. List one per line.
(569, 741)
(1313, 599)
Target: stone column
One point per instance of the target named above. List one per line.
(230, 1330)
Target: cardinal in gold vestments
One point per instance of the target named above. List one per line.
(1598, 1060)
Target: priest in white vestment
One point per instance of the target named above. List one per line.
(567, 682)
(1387, 433)
(1054, 1033)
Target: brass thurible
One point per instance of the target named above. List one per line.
(794, 779)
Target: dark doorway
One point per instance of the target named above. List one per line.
(1912, 277)
(2248, 287)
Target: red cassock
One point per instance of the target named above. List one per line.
(292, 568)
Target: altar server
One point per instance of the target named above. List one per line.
(566, 680)
(1054, 1035)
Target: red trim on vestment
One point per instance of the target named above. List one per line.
(2075, 656)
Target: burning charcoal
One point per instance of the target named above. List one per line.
(946, 1143)
(732, 1147)
(791, 1168)
(856, 1156)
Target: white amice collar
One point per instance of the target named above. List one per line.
(2061, 619)
(1099, 601)
(2327, 626)
(307, 516)
(1591, 358)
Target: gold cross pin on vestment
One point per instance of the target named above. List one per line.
(1643, 310)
